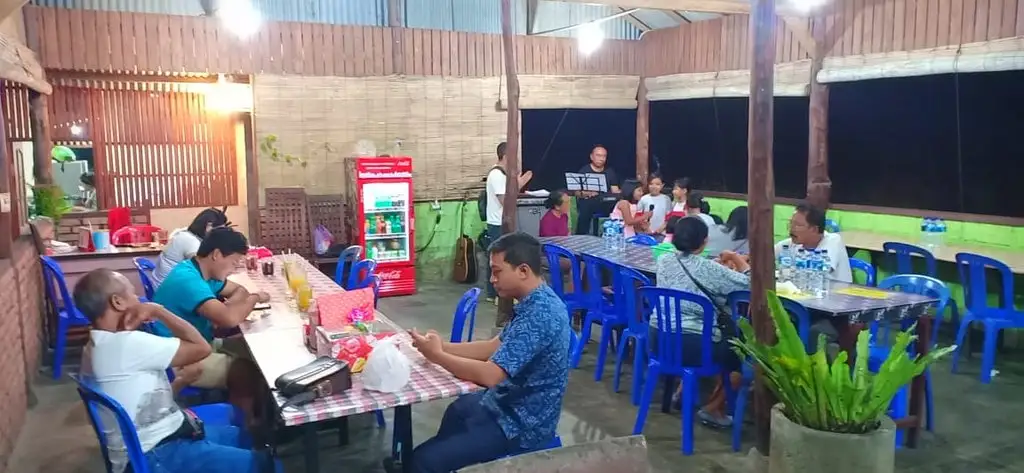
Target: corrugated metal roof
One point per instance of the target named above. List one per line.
(349, 12)
(480, 16)
(167, 7)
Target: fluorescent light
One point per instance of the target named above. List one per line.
(589, 38)
(805, 6)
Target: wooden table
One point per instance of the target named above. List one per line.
(277, 345)
(873, 241)
(77, 263)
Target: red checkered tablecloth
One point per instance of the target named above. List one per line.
(428, 382)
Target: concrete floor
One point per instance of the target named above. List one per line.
(977, 427)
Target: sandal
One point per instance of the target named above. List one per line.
(714, 421)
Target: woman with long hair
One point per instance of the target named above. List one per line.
(627, 211)
(732, 236)
(184, 242)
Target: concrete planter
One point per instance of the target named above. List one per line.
(798, 449)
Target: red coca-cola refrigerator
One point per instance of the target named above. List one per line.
(380, 218)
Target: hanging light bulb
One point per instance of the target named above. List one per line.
(240, 17)
(589, 38)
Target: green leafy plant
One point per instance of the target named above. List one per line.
(268, 145)
(49, 201)
(830, 397)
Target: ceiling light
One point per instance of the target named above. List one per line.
(76, 130)
(589, 38)
(240, 17)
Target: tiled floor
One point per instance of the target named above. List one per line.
(978, 427)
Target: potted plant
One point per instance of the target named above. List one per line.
(830, 417)
(49, 201)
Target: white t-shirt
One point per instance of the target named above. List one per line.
(833, 245)
(710, 222)
(661, 203)
(495, 190)
(181, 246)
(130, 367)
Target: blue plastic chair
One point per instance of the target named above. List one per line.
(599, 307)
(612, 316)
(869, 270)
(360, 272)
(972, 269)
(904, 253)
(94, 400)
(914, 284)
(642, 239)
(67, 314)
(466, 310)
(797, 311)
(667, 360)
(637, 319)
(145, 268)
(554, 254)
(351, 255)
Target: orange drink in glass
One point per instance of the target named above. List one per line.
(304, 297)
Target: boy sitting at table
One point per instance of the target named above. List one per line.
(525, 370)
(198, 291)
(130, 366)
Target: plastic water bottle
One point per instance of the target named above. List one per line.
(825, 273)
(929, 232)
(607, 234)
(800, 277)
(620, 235)
(813, 272)
(786, 264)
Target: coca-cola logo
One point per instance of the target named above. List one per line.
(390, 275)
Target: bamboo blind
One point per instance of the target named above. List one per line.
(575, 92)
(449, 126)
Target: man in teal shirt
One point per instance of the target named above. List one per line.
(198, 291)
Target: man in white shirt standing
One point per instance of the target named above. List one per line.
(495, 193)
(807, 230)
(130, 366)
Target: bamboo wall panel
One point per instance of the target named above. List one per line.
(104, 41)
(450, 126)
(151, 148)
(854, 27)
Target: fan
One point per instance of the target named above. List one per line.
(365, 148)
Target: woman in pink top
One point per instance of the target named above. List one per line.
(626, 209)
(556, 221)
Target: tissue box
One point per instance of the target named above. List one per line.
(350, 346)
(340, 309)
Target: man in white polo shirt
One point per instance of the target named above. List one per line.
(807, 230)
(495, 194)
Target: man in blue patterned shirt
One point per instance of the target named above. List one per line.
(525, 370)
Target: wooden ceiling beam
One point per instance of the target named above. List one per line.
(8, 7)
(633, 20)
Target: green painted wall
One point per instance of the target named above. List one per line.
(434, 262)
(967, 233)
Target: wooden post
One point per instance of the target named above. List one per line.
(6, 164)
(819, 186)
(508, 205)
(252, 178)
(761, 194)
(643, 113)
(42, 145)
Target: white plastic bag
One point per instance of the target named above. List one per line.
(387, 369)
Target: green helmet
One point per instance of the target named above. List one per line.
(62, 154)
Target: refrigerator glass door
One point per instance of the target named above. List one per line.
(386, 224)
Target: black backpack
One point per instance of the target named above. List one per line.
(481, 200)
